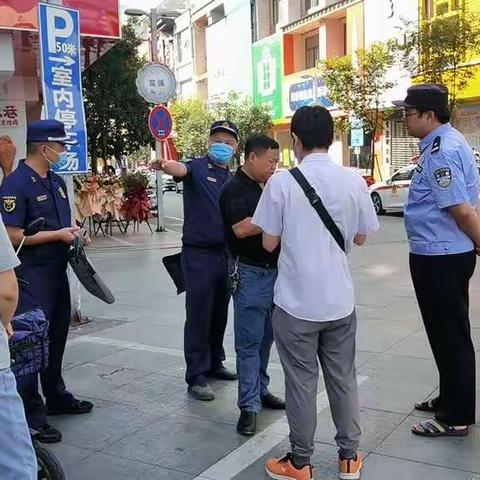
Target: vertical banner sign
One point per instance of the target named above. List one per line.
(62, 80)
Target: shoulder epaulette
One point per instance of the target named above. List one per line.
(436, 145)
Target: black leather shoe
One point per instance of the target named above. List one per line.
(77, 407)
(221, 373)
(46, 434)
(272, 402)
(247, 423)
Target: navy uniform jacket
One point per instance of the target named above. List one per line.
(203, 224)
(25, 196)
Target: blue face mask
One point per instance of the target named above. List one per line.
(62, 158)
(221, 153)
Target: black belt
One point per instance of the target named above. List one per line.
(253, 263)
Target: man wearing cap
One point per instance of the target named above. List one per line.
(443, 232)
(205, 259)
(29, 192)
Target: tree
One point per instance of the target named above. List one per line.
(356, 85)
(250, 119)
(439, 50)
(192, 120)
(142, 156)
(117, 117)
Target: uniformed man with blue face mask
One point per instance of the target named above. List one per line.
(443, 232)
(30, 192)
(205, 259)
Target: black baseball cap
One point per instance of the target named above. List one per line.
(225, 126)
(428, 95)
(44, 131)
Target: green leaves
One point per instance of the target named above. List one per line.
(356, 84)
(117, 117)
(192, 120)
(440, 49)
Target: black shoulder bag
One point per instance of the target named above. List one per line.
(317, 204)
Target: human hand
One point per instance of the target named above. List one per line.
(67, 235)
(162, 164)
(83, 235)
(156, 165)
(9, 330)
(7, 154)
(415, 159)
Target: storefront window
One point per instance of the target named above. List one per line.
(361, 157)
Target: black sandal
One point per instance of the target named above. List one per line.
(428, 406)
(434, 428)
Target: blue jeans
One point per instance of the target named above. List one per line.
(17, 457)
(253, 303)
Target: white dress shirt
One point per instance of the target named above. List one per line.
(314, 281)
(8, 261)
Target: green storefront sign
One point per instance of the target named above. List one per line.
(267, 74)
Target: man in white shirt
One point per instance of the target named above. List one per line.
(314, 318)
(17, 458)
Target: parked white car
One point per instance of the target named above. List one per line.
(392, 194)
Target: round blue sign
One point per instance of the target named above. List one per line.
(160, 123)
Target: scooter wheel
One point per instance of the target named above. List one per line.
(49, 467)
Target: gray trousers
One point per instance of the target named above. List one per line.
(301, 345)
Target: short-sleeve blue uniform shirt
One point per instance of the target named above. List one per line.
(446, 175)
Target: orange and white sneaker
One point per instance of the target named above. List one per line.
(283, 469)
(350, 469)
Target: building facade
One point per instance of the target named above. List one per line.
(290, 38)
(386, 21)
(213, 53)
(467, 116)
(20, 84)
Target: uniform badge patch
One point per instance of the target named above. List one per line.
(62, 193)
(42, 198)
(9, 204)
(211, 179)
(443, 177)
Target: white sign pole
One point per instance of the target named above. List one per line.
(158, 145)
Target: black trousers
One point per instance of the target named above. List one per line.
(207, 299)
(441, 286)
(48, 287)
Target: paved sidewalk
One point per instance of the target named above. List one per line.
(129, 362)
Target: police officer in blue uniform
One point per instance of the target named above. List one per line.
(443, 233)
(33, 191)
(205, 259)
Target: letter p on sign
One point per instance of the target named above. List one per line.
(60, 25)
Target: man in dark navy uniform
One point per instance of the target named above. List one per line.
(33, 191)
(205, 259)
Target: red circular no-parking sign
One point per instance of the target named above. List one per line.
(160, 123)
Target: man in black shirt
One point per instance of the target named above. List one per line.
(257, 272)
